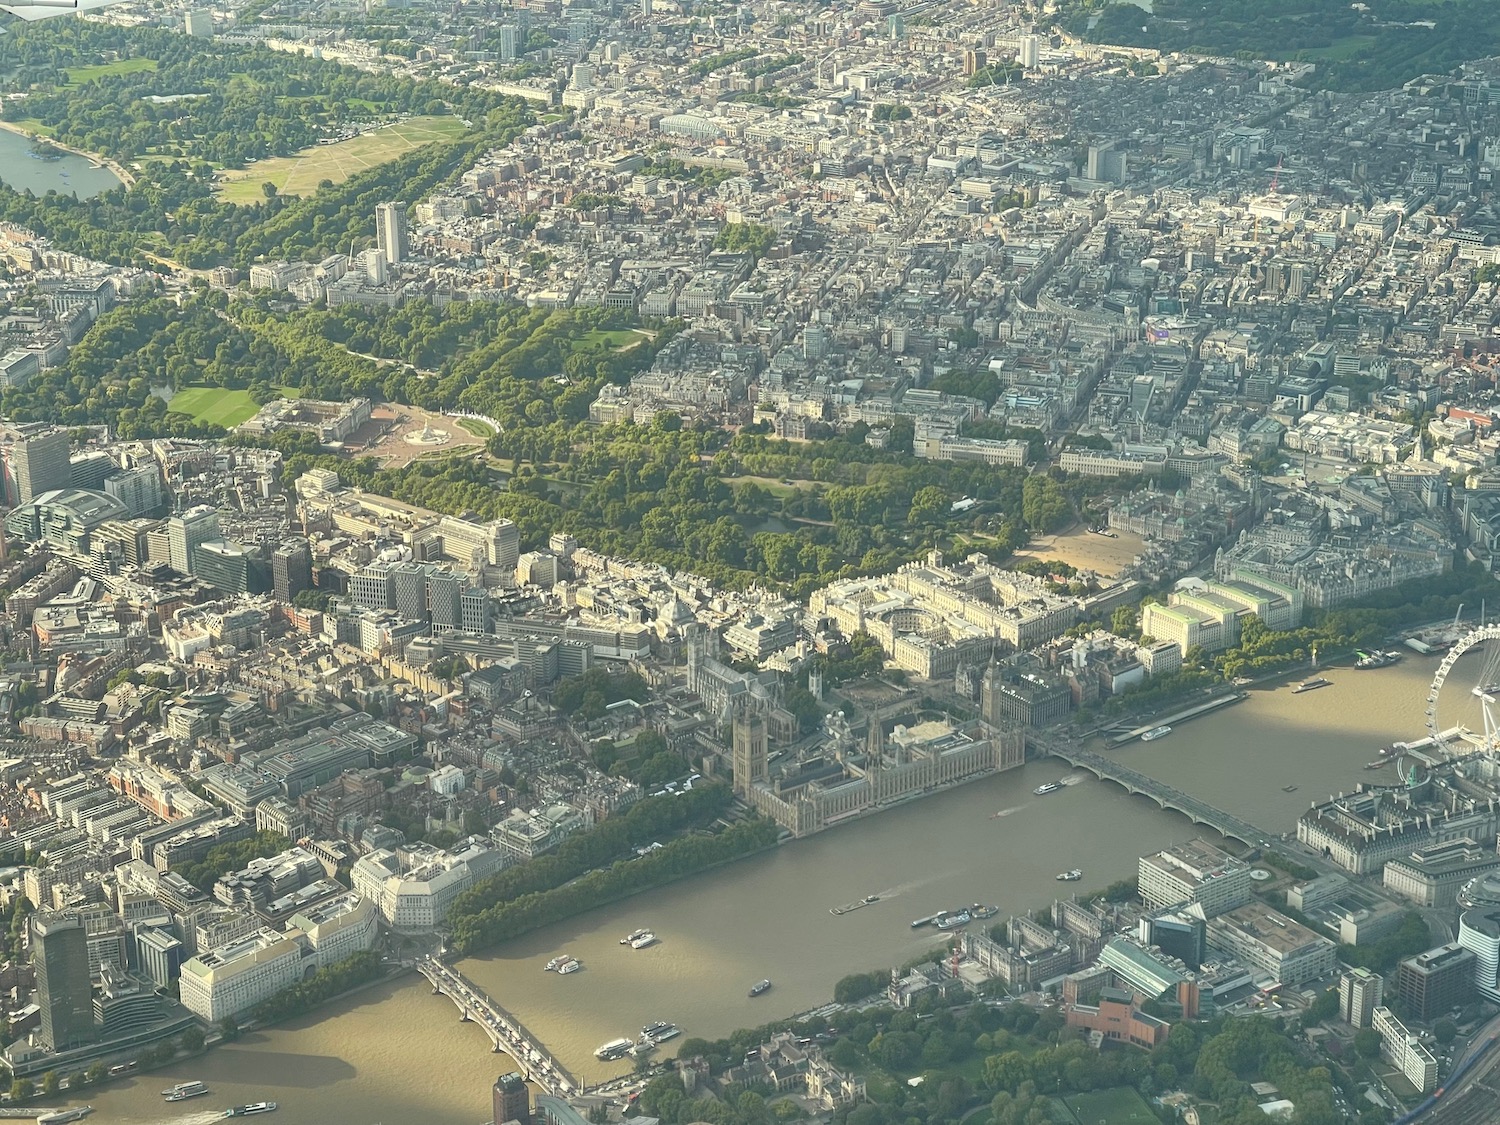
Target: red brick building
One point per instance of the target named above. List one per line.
(1118, 1020)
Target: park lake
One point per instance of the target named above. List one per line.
(22, 170)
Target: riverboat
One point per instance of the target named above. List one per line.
(644, 940)
(760, 988)
(614, 1049)
(1156, 732)
(1311, 685)
(1070, 876)
(250, 1110)
(979, 910)
(1368, 660)
(1289, 789)
(661, 1031)
(1049, 787)
(954, 921)
(63, 1116)
(630, 937)
(571, 965)
(557, 962)
(185, 1090)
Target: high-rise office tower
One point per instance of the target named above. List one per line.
(410, 589)
(60, 955)
(1030, 52)
(444, 598)
(390, 231)
(186, 532)
(291, 569)
(1360, 993)
(39, 463)
(512, 1101)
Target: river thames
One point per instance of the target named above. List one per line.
(398, 1055)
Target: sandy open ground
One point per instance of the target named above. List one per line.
(1086, 550)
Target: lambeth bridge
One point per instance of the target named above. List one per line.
(1133, 781)
(533, 1060)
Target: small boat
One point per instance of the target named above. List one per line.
(63, 1116)
(645, 939)
(250, 1110)
(1368, 660)
(1156, 732)
(1070, 876)
(628, 938)
(954, 921)
(614, 1049)
(761, 988)
(979, 910)
(868, 899)
(1289, 789)
(660, 1031)
(557, 962)
(1378, 764)
(1049, 787)
(571, 965)
(1311, 685)
(185, 1090)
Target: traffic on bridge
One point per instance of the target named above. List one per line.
(531, 1058)
(1109, 769)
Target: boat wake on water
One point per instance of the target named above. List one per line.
(1006, 812)
(1073, 779)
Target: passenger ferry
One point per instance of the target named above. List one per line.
(761, 988)
(1070, 876)
(571, 965)
(634, 935)
(1156, 732)
(643, 940)
(954, 921)
(63, 1116)
(1311, 685)
(185, 1090)
(661, 1031)
(250, 1110)
(614, 1049)
(1049, 787)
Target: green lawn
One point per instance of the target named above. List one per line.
(476, 427)
(302, 172)
(32, 125)
(1121, 1106)
(1339, 50)
(214, 405)
(618, 339)
(78, 75)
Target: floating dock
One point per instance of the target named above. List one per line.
(1178, 717)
